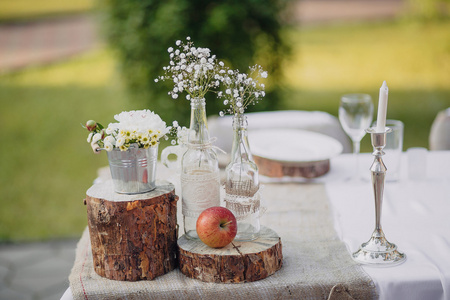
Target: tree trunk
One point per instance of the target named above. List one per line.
(237, 262)
(273, 168)
(133, 237)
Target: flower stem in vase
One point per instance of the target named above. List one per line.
(242, 184)
(200, 182)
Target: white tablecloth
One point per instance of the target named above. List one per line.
(415, 216)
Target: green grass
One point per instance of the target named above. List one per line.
(46, 164)
(413, 58)
(13, 10)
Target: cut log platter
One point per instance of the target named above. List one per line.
(236, 263)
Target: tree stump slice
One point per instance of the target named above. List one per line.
(277, 169)
(236, 263)
(133, 237)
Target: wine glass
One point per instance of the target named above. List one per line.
(355, 115)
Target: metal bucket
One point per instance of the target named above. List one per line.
(133, 171)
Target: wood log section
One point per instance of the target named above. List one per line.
(238, 262)
(133, 237)
(277, 169)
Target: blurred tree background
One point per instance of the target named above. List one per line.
(240, 32)
(46, 164)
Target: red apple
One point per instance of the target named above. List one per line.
(216, 226)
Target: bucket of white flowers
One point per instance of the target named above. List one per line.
(132, 148)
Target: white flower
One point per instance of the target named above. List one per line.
(95, 147)
(191, 69)
(110, 139)
(109, 130)
(120, 142)
(241, 89)
(108, 146)
(97, 137)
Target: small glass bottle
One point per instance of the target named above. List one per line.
(200, 180)
(242, 184)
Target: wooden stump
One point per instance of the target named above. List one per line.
(133, 237)
(273, 168)
(237, 262)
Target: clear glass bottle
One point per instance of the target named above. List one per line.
(200, 180)
(242, 183)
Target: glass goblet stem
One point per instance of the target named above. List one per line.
(356, 150)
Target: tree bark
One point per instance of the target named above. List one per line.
(272, 168)
(133, 237)
(235, 263)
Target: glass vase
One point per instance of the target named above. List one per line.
(242, 184)
(200, 180)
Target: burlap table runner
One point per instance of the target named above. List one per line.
(316, 264)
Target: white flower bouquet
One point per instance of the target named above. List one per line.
(141, 127)
(241, 89)
(193, 70)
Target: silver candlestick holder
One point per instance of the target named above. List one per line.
(378, 251)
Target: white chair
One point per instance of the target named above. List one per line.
(317, 121)
(440, 131)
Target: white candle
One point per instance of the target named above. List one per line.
(382, 108)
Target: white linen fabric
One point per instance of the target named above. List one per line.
(415, 217)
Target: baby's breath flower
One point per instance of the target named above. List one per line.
(192, 69)
(241, 89)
